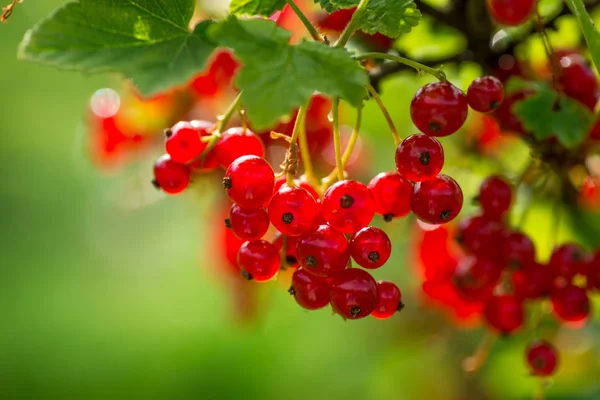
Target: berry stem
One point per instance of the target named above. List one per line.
(336, 139)
(556, 69)
(310, 27)
(353, 24)
(224, 119)
(291, 159)
(309, 171)
(386, 113)
(472, 364)
(438, 73)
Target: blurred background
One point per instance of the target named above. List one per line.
(109, 289)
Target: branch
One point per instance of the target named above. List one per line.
(8, 10)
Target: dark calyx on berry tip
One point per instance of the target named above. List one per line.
(247, 275)
(292, 291)
(311, 261)
(291, 260)
(374, 256)
(155, 184)
(287, 218)
(494, 104)
(346, 201)
(425, 158)
(168, 133)
(388, 217)
(445, 215)
(227, 223)
(400, 307)
(434, 127)
(355, 311)
(227, 182)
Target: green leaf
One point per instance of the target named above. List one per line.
(590, 32)
(277, 77)
(148, 41)
(545, 114)
(326, 5)
(255, 7)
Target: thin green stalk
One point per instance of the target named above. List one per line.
(291, 158)
(336, 139)
(439, 74)
(310, 27)
(309, 171)
(353, 24)
(229, 113)
(386, 114)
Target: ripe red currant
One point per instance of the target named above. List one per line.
(485, 94)
(170, 176)
(249, 181)
(437, 201)
(475, 278)
(419, 158)
(310, 291)
(511, 12)
(532, 281)
(248, 223)
(392, 195)
(481, 235)
(542, 358)
(348, 206)
(593, 272)
(389, 300)
(323, 252)
(578, 80)
(293, 211)
(353, 293)
(238, 142)
(439, 109)
(505, 313)
(258, 260)
(571, 303)
(495, 197)
(569, 260)
(370, 247)
(183, 142)
(518, 250)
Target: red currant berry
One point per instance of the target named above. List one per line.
(511, 12)
(495, 197)
(518, 250)
(392, 195)
(353, 293)
(183, 142)
(310, 291)
(389, 300)
(249, 181)
(569, 260)
(505, 313)
(419, 158)
(258, 260)
(437, 201)
(532, 281)
(542, 358)
(593, 274)
(238, 142)
(485, 94)
(571, 303)
(475, 278)
(323, 252)
(370, 247)
(578, 80)
(439, 109)
(348, 206)
(248, 223)
(170, 176)
(293, 211)
(480, 236)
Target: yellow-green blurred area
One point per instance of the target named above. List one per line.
(101, 300)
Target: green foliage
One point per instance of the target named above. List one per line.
(255, 7)
(278, 77)
(590, 32)
(547, 114)
(148, 41)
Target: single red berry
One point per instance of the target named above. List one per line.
(348, 206)
(170, 176)
(238, 142)
(353, 293)
(542, 358)
(249, 181)
(571, 303)
(485, 94)
(518, 250)
(511, 12)
(323, 252)
(480, 235)
(476, 278)
(389, 300)
(282, 181)
(310, 291)
(258, 260)
(578, 80)
(248, 223)
(419, 158)
(495, 197)
(439, 109)
(392, 195)
(293, 211)
(183, 142)
(370, 247)
(569, 260)
(437, 201)
(505, 313)
(532, 281)
(593, 272)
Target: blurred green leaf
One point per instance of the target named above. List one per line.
(255, 7)
(590, 32)
(148, 41)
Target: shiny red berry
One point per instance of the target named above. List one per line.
(475, 278)
(485, 94)
(511, 12)
(419, 158)
(183, 142)
(238, 142)
(348, 206)
(518, 250)
(353, 293)
(323, 252)
(258, 260)
(495, 197)
(392, 195)
(568, 260)
(532, 281)
(437, 201)
(578, 80)
(571, 303)
(310, 291)
(593, 272)
(248, 223)
(370, 247)
(389, 300)
(170, 176)
(542, 358)
(481, 236)
(293, 211)
(249, 181)
(439, 109)
(505, 313)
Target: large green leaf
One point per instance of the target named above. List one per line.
(277, 77)
(590, 32)
(255, 7)
(148, 41)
